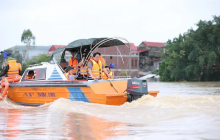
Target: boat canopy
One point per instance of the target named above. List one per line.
(58, 51)
(84, 43)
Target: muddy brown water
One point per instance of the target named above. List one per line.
(184, 110)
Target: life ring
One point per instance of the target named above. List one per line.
(5, 92)
(5, 83)
(13, 79)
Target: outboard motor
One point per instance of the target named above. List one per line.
(136, 88)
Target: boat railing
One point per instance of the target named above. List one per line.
(122, 77)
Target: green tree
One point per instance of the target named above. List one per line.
(195, 55)
(29, 39)
(39, 59)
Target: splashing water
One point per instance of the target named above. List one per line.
(181, 111)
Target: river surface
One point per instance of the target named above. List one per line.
(185, 110)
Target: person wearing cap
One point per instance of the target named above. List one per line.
(73, 62)
(104, 76)
(83, 69)
(69, 73)
(34, 62)
(95, 67)
(12, 68)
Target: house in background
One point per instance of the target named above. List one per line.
(149, 55)
(33, 51)
(124, 63)
(54, 47)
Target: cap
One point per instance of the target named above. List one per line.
(34, 62)
(10, 58)
(112, 65)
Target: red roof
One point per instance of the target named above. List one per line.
(133, 47)
(155, 59)
(153, 44)
(139, 51)
(54, 47)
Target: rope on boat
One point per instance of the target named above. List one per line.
(112, 85)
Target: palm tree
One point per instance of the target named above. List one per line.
(29, 39)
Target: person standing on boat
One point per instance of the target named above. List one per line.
(68, 74)
(95, 67)
(83, 69)
(104, 76)
(12, 69)
(73, 62)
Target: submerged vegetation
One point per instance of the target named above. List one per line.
(195, 55)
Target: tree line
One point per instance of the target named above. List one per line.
(194, 55)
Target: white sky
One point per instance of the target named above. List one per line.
(60, 22)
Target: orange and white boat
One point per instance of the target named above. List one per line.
(50, 82)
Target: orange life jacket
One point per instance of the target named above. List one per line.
(102, 60)
(74, 64)
(84, 70)
(104, 76)
(13, 68)
(29, 77)
(96, 68)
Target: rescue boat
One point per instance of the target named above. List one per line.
(51, 84)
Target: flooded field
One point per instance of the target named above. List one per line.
(187, 110)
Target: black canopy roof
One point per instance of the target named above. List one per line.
(58, 51)
(86, 43)
(91, 42)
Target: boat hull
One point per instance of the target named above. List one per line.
(101, 92)
(37, 94)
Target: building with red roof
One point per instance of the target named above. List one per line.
(54, 47)
(149, 55)
(119, 55)
(153, 44)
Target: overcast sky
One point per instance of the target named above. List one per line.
(60, 22)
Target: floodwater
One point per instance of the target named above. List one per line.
(185, 110)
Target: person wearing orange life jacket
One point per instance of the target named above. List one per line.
(84, 69)
(12, 68)
(95, 67)
(30, 75)
(68, 74)
(104, 76)
(73, 62)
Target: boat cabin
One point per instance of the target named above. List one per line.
(80, 49)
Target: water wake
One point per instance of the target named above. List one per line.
(177, 101)
(146, 109)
